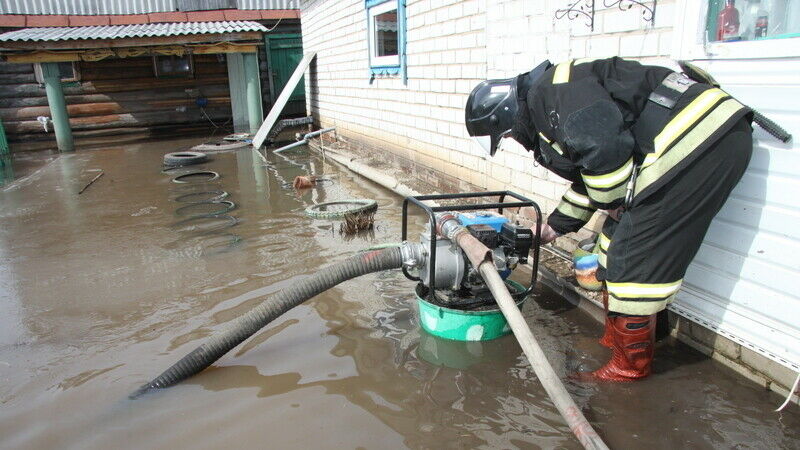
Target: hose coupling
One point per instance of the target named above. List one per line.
(448, 226)
(413, 255)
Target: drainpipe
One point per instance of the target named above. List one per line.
(255, 113)
(58, 106)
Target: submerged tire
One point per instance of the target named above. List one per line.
(197, 176)
(337, 209)
(202, 197)
(177, 159)
(206, 209)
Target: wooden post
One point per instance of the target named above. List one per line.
(58, 106)
(255, 111)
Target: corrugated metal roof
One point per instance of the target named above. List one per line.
(86, 7)
(130, 31)
(103, 7)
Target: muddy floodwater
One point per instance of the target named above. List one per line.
(100, 292)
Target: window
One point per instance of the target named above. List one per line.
(68, 71)
(386, 36)
(383, 35)
(173, 66)
(748, 20)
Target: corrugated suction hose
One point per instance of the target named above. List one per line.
(245, 326)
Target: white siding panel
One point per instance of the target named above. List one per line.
(744, 281)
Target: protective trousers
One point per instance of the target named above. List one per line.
(645, 255)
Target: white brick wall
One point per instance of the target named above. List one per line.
(452, 45)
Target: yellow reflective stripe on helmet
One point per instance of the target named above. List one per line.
(561, 74)
(637, 308)
(683, 121)
(643, 290)
(578, 199)
(604, 242)
(557, 148)
(544, 137)
(608, 196)
(568, 209)
(702, 131)
(611, 179)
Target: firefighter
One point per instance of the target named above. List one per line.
(656, 149)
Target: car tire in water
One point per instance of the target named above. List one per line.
(176, 159)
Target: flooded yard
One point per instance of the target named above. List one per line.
(100, 292)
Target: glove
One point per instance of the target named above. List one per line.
(548, 234)
(615, 213)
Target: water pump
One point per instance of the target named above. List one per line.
(454, 301)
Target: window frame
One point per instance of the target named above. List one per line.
(694, 43)
(387, 65)
(158, 74)
(372, 13)
(76, 72)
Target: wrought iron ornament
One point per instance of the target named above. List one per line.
(648, 12)
(586, 9)
(576, 9)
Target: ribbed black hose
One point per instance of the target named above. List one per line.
(771, 127)
(245, 326)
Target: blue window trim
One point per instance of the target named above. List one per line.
(395, 70)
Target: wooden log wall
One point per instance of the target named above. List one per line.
(115, 96)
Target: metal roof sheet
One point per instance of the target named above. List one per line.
(129, 31)
(102, 7)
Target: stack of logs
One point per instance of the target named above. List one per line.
(115, 97)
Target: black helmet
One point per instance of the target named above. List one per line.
(490, 112)
(492, 106)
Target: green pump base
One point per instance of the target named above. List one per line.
(465, 325)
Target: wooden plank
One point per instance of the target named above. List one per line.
(280, 103)
(7, 67)
(17, 78)
(96, 109)
(148, 118)
(43, 56)
(223, 47)
(214, 90)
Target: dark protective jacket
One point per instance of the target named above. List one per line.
(583, 121)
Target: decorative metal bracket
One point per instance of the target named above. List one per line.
(586, 9)
(648, 12)
(576, 9)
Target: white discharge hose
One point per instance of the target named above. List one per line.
(480, 257)
(552, 384)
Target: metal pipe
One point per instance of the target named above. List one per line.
(318, 132)
(304, 140)
(291, 146)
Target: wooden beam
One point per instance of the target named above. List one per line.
(43, 56)
(223, 47)
(280, 103)
(133, 42)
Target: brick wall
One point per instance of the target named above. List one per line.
(423, 121)
(451, 46)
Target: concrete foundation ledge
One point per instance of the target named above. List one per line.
(406, 178)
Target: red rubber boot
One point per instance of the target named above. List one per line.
(606, 341)
(633, 339)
